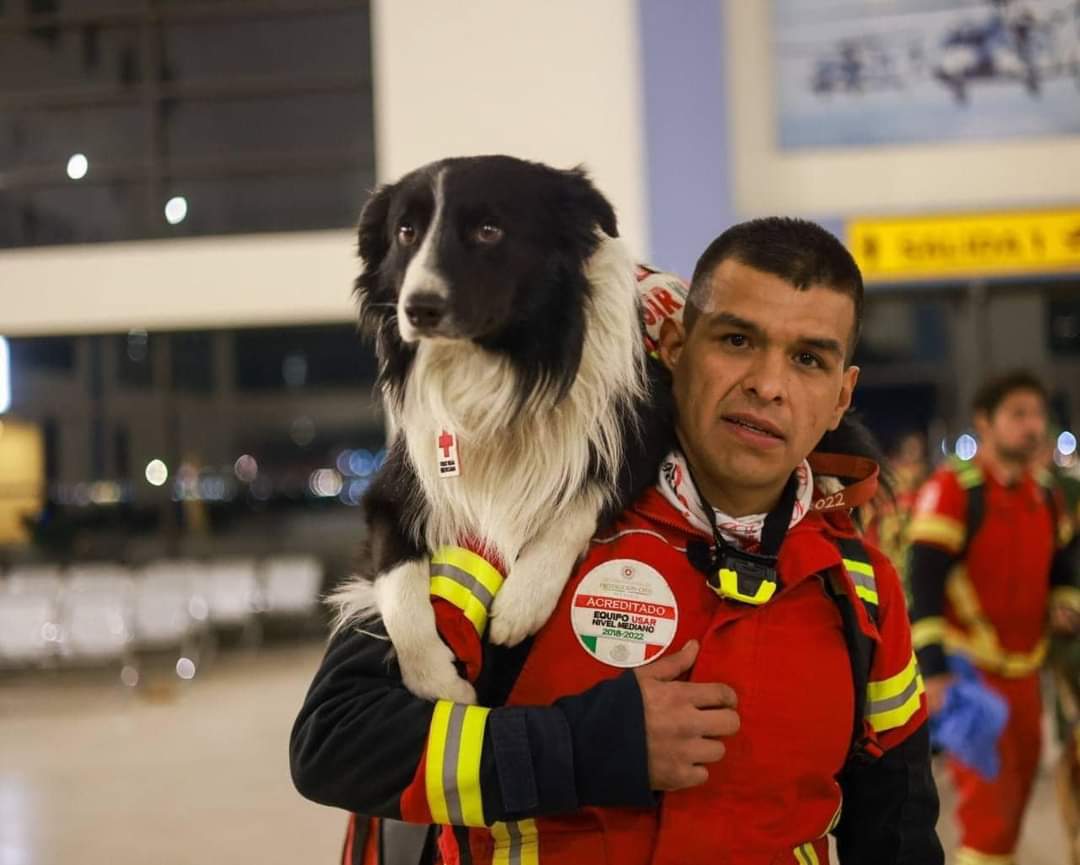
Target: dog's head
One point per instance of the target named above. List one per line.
(485, 249)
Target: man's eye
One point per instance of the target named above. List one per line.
(808, 359)
(406, 234)
(735, 340)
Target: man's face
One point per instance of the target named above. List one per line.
(760, 377)
(1016, 428)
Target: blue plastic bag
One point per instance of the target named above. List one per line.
(971, 721)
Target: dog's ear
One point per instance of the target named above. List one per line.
(373, 235)
(582, 196)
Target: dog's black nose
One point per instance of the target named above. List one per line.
(426, 310)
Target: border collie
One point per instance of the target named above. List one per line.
(507, 326)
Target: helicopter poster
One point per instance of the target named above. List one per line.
(850, 73)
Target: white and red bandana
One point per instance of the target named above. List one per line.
(742, 532)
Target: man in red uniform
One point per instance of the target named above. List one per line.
(988, 544)
(728, 676)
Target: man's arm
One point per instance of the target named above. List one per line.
(937, 534)
(890, 806)
(362, 742)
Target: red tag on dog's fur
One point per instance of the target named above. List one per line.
(446, 447)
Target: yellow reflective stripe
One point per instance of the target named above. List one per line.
(468, 769)
(967, 856)
(937, 529)
(516, 843)
(452, 768)
(474, 565)
(928, 631)
(981, 643)
(1065, 531)
(968, 474)
(862, 575)
(471, 606)
(806, 855)
(467, 580)
(1066, 596)
(891, 702)
(835, 821)
(858, 567)
(961, 592)
(436, 753)
(1012, 665)
(866, 594)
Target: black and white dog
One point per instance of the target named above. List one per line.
(506, 321)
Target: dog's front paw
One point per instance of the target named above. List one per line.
(434, 676)
(521, 608)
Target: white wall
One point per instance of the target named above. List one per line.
(291, 278)
(557, 81)
(960, 176)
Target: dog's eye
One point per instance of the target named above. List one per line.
(406, 234)
(488, 233)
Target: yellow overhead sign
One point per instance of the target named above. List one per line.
(980, 245)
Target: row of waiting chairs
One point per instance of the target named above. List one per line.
(100, 612)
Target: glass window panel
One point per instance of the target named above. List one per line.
(282, 202)
(134, 358)
(302, 357)
(192, 361)
(335, 44)
(306, 126)
(43, 352)
(47, 139)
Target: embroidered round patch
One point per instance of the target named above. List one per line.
(624, 613)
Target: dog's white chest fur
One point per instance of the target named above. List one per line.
(522, 466)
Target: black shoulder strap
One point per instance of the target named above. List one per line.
(856, 561)
(1050, 494)
(406, 843)
(973, 515)
(970, 478)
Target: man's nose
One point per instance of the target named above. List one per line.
(766, 376)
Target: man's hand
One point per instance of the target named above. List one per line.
(1064, 619)
(683, 721)
(936, 688)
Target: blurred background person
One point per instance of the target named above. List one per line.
(988, 544)
(887, 517)
(1064, 656)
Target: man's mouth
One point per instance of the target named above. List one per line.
(754, 425)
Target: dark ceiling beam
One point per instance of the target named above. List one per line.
(188, 13)
(208, 168)
(214, 90)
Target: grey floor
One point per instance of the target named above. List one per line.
(197, 773)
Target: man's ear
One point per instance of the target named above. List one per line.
(672, 342)
(982, 424)
(847, 391)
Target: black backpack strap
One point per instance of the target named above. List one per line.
(406, 843)
(970, 478)
(856, 561)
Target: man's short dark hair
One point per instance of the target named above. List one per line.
(796, 250)
(993, 392)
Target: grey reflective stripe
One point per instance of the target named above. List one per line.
(864, 580)
(896, 702)
(515, 842)
(450, 763)
(464, 579)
